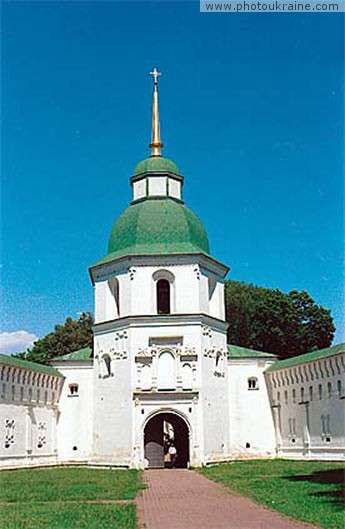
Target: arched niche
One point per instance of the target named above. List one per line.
(166, 371)
(187, 376)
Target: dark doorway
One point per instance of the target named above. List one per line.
(160, 432)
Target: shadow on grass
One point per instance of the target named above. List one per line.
(334, 477)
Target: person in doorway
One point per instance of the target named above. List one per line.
(173, 455)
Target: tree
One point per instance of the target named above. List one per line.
(66, 338)
(276, 322)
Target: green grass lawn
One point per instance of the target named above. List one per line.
(310, 491)
(40, 498)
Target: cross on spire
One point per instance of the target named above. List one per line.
(155, 74)
(156, 145)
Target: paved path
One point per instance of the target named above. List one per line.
(182, 499)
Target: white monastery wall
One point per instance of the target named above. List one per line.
(76, 411)
(308, 404)
(251, 424)
(28, 416)
(213, 395)
(112, 419)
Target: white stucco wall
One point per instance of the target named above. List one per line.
(76, 412)
(28, 416)
(193, 289)
(251, 421)
(310, 423)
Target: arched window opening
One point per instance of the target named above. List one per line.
(253, 383)
(106, 366)
(294, 396)
(311, 395)
(73, 389)
(163, 296)
(320, 391)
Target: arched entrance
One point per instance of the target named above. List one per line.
(162, 431)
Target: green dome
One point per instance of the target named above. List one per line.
(157, 226)
(156, 163)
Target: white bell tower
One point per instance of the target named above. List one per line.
(160, 333)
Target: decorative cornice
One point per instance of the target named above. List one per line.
(105, 270)
(159, 320)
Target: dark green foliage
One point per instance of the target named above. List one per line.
(71, 336)
(275, 322)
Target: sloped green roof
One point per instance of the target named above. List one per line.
(308, 357)
(81, 354)
(157, 227)
(234, 351)
(156, 163)
(25, 364)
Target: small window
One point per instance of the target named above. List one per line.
(329, 390)
(320, 391)
(73, 390)
(294, 396)
(311, 395)
(302, 394)
(253, 383)
(339, 389)
(163, 296)
(286, 398)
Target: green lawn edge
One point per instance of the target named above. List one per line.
(308, 491)
(59, 498)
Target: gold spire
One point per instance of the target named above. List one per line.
(156, 145)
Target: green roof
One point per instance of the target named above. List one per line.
(157, 227)
(25, 364)
(81, 354)
(308, 357)
(156, 163)
(234, 351)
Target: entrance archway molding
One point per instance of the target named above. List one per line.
(173, 411)
(155, 413)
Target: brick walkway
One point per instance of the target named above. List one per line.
(182, 499)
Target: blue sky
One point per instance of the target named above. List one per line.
(252, 112)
